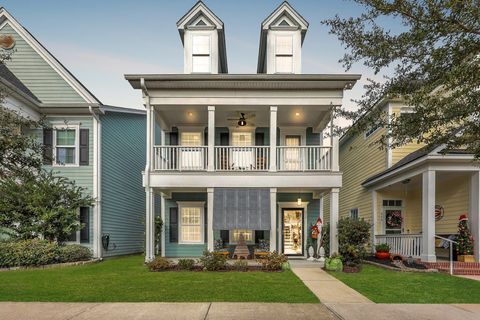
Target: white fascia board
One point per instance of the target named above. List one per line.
(282, 9)
(200, 7)
(47, 56)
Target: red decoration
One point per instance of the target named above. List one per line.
(463, 217)
(315, 231)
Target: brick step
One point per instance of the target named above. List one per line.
(459, 268)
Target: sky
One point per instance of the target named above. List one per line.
(100, 41)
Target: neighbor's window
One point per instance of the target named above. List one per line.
(191, 224)
(284, 54)
(66, 146)
(201, 54)
(354, 213)
(191, 139)
(248, 235)
(371, 131)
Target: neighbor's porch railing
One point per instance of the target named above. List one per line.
(407, 245)
(251, 158)
(180, 158)
(304, 158)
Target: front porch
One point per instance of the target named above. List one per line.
(417, 208)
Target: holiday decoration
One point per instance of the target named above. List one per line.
(439, 212)
(464, 240)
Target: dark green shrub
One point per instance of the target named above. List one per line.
(382, 247)
(273, 261)
(353, 237)
(326, 239)
(212, 261)
(32, 252)
(240, 265)
(73, 252)
(159, 264)
(186, 264)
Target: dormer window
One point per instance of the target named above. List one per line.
(201, 62)
(284, 54)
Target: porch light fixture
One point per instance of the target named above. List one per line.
(242, 122)
(297, 114)
(299, 201)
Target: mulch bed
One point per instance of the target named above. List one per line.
(389, 264)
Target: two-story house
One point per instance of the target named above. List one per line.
(240, 155)
(412, 195)
(101, 148)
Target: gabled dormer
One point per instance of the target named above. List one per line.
(281, 39)
(203, 39)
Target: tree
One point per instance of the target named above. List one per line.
(464, 238)
(435, 64)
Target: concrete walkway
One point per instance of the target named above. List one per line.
(327, 288)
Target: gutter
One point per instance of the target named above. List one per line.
(97, 184)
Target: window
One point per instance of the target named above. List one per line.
(354, 213)
(66, 146)
(242, 158)
(201, 54)
(82, 236)
(191, 223)
(371, 131)
(242, 139)
(284, 54)
(191, 139)
(248, 235)
(392, 203)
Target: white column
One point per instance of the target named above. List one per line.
(210, 219)
(211, 138)
(320, 205)
(162, 215)
(428, 216)
(374, 219)
(273, 138)
(273, 219)
(334, 143)
(474, 213)
(334, 220)
(149, 226)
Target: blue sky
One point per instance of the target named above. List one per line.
(100, 41)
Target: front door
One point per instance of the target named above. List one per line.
(393, 216)
(292, 229)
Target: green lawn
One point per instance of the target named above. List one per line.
(385, 286)
(127, 279)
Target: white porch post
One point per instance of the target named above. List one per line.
(320, 205)
(474, 213)
(162, 215)
(428, 216)
(374, 219)
(211, 138)
(150, 226)
(273, 138)
(334, 220)
(334, 142)
(210, 219)
(273, 219)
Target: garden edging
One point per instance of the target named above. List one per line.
(53, 265)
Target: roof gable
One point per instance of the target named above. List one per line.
(285, 12)
(199, 12)
(45, 76)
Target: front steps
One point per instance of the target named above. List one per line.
(459, 268)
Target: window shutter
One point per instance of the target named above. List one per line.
(259, 235)
(205, 231)
(174, 225)
(225, 236)
(85, 221)
(84, 147)
(259, 139)
(174, 138)
(205, 137)
(224, 137)
(47, 146)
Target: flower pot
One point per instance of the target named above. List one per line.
(382, 255)
(466, 258)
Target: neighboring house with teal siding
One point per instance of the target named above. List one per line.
(101, 148)
(237, 157)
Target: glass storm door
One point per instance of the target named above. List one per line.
(293, 231)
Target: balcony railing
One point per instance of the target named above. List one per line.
(407, 245)
(303, 158)
(180, 158)
(249, 158)
(252, 158)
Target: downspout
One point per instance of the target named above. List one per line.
(97, 184)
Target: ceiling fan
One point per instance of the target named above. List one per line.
(242, 119)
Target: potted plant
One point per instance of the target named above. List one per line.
(382, 251)
(464, 241)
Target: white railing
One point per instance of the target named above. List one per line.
(450, 251)
(304, 158)
(407, 245)
(180, 158)
(251, 158)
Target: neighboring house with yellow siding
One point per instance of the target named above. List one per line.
(413, 194)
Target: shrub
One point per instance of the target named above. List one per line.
(353, 236)
(273, 261)
(326, 239)
(382, 247)
(240, 265)
(159, 264)
(32, 252)
(334, 263)
(74, 252)
(212, 261)
(186, 264)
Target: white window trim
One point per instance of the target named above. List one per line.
(191, 204)
(243, 130)
(75, 127)
(202, 55)
(368, 134)
(252, 233)
(293, 131)
(284, 55)
(401, 208)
